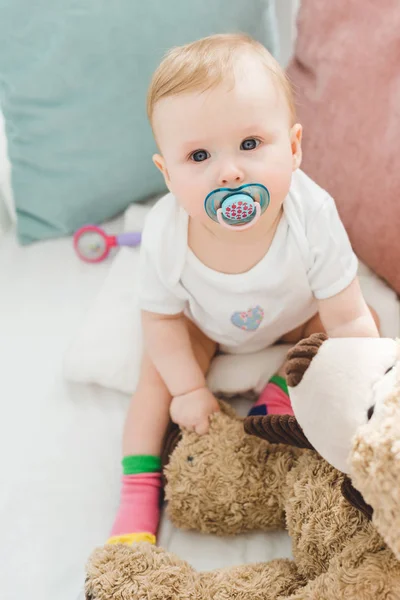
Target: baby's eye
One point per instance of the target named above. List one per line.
(199, 155)
(249, 144)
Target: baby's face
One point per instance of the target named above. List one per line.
(226, 138)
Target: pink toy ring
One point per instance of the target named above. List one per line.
(92, 244)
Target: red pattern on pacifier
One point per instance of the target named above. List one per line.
(238, 210)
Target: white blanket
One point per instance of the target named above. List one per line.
(60, 441)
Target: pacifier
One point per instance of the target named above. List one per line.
(237, 208)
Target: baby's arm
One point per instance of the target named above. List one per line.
(168, 344)
(347, 314)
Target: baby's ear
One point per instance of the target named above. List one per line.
(296, 135)
(159, 161)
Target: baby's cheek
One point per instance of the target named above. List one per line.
(190, 199)
(278, 182)
(194, 206)
(189, 194)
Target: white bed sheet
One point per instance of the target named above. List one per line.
(60, 442)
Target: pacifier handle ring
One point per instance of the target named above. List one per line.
(222, 222)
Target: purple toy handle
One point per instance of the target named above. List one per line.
(130, 238)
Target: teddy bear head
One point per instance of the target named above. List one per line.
(215, 483)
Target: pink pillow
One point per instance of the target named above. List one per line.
(346, 74)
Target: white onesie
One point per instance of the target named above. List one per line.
(310, 258)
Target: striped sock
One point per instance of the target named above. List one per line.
(139, 511)
(273, 400)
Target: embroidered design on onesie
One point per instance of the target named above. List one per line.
(248, 320)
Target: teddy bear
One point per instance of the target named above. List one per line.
(330, 475)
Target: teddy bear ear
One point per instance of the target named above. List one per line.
(277, 429)
(299, 358)
(354, 497)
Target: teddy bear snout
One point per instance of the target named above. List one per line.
(299, 358)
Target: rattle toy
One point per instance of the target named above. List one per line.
(92, 244)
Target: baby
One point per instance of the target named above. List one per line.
(245, 251)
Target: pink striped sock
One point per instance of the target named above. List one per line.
(139, 510)
(272, 401)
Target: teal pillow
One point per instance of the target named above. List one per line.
(74, 76)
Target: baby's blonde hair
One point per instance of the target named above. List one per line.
(208, 62)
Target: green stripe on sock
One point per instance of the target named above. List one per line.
(280, 382)
(141, 463)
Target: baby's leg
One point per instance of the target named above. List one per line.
(145, 426)
(274, 399)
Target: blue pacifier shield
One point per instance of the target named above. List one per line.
(238, 205)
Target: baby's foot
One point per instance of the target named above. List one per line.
(273, 400)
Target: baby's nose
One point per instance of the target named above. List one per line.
(230, 181)
(231, 175)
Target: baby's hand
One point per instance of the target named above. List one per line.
(192, 410)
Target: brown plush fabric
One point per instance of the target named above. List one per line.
(138, 572)
(234, 469)
(277, 429)
(299, 358)
(355, 498)
(144, 572)
(365, 570)
(320, 521)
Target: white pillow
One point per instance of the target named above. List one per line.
(107, 349)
